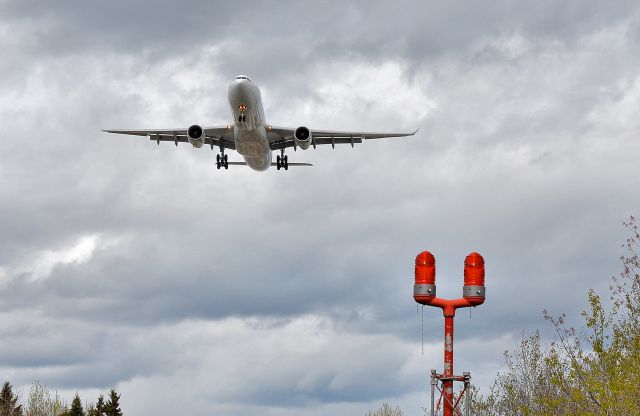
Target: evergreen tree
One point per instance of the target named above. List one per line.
(97, 409)
(9, 402)
(92, 410)
(112, 407)
(76, 407)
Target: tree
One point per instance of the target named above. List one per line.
(112, 407)
(96, 409)
(90, 409)
(626, 287)
(386, 410)
(594, 371)
(9, 402)
(525, 388)
(76, 407)
(40, 402)
(100, 404)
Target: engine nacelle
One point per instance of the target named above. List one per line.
(196, 135)
(303, 137)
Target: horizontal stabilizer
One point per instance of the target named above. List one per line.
(294, 164)
(273, 164)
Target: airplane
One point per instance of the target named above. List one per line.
(251, 136)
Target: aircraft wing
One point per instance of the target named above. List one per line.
(282, 137)
(214, 136)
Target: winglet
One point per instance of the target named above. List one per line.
(414, 133)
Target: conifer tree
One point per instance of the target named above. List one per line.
(112, 407)
(76, 407)
(96, 409)
(9, 402)
(99, 406)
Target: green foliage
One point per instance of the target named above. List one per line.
(112, 407)
(76, 407)
(593, 372)
(90, 409)
(100, 404)
(9, 401)
(386, 410)
(97, 409)
(41, 403)
(526, 387)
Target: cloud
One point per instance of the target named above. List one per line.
(43, 264)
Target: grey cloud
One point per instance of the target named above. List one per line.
(289, 34)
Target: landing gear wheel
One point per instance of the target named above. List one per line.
(286, 163)
(222, 160)
(278, 163)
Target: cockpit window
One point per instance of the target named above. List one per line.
(243, 77)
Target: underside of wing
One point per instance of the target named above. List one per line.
(283, 137)
(217, 136)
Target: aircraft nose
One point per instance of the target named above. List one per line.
(241, 85)
(239, 89)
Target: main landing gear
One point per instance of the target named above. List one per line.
(282, 161)
(222, 160)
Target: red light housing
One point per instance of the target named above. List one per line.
(425, 269)
(474, 270)
(424, 289)
(474, 289)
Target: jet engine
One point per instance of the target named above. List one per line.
(303, 137)
(196, 135)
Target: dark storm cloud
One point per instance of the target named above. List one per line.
(294, 34)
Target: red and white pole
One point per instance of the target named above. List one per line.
(473, 294)
(447, 384)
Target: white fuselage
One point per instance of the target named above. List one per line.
(249, 123)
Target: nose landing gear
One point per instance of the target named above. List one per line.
(241, 117)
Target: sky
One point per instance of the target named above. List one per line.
(195, 291)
